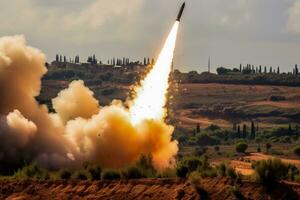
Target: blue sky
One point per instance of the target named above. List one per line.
(265, 32)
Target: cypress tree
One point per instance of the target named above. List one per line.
(198, 130)
(238, 134)
(252, 135)
(244, 131)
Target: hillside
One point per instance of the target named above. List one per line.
(158, 189)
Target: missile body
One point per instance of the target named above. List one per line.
(180, 12)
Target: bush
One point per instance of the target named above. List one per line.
(195, 178)
(182, 170)
(64, 174)
(111, 175)
(167, 173)
(217, 148)
(297, 151)
(231, 173)
(268, 147)
(270, 171)
(132, 173)
(193, 163)
(95, 172)
(145, 164)
(222, 169)
(32, 171)
(80, 175)
(241, 147)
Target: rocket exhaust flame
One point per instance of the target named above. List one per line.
(151, 95)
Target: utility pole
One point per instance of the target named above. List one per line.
(209, 64)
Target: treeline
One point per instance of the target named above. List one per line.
(282, 79)
(251, 69)
(215, 135)
(61, 59)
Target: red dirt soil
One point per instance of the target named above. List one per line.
(158, 189)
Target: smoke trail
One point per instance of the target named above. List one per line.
(80, 130)
(151, 95)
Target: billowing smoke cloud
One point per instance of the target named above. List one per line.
(27, 131)
(80, 130)
(68, 103)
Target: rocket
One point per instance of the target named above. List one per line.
(180, 12)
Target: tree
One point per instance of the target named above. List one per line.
(260, 70)
(268, 147)
(278, 70)
(241, 147)
(245, 131)
(290, 130)
(238, 134)
(296, 69)
(198, 130)
(297, 151)
(252, 134)
(57, 58)
(240, 67)
(265, 70)
(223, 71)
(217, 148)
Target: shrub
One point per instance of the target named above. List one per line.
(32, 171)
(80, 175)
(230, 173)
(217, 148)
(268, 146)
(241, 147)
(182, 170)
(111, 175)
(132, 173)
(64, 174)
(297, 151)
(210, 172)
(205, 139)
(193, 163)
(95, 172)
(258, 149)
(222, 169)
(270, 171)
(168, 173)
(145, 164)
(195, 178)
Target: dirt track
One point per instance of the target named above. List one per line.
(158, 189)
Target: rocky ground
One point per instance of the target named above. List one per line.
(164, 189)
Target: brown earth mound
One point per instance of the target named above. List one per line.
(158, 189)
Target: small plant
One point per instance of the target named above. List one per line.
(95, 172)
(216, 148)
(111, 175)
(297, 151)
(270, 171)
(268, 147)
(258, 149)
(230, 173)
(182, 170)
(80, 175)
(222, 169)
(241, 147)
(64, 174)
(132, 173)
(195, 178)
(32, 171)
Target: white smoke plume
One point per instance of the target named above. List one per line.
(80, 130)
